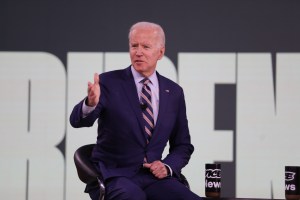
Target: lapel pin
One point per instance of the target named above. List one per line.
(168, 91)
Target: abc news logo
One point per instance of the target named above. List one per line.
(290, 177)
(213, 178)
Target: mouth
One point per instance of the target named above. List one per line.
(138, 61)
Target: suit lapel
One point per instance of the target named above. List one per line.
(131, 93)
(164, 93)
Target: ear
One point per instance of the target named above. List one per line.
(161, 52)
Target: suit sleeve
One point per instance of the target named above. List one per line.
(180, 141)
(76, 119)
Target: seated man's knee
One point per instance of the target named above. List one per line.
(123, 188)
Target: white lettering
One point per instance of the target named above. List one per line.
(290, 187)
(81, 69)
(32, 123)
(212, 184)
(33, 118)
(267, 122)
(198, 74)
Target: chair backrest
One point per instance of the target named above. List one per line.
(85, 169)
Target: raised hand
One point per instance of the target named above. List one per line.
(93, 91)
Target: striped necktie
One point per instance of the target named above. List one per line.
(147, 109)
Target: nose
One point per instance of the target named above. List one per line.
(139, 51)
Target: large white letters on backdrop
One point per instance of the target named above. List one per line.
(32, 123)
(37, 98)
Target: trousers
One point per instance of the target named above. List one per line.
(144, 186)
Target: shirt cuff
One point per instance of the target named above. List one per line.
(86, 110)
(170, 169)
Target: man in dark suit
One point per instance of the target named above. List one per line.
(137, 117)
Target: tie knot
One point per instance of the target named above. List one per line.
(145, 81)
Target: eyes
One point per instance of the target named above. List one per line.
(143, 46)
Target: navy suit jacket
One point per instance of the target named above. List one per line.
(121, 142)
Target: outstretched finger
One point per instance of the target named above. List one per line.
(96, 78)
(146, 165)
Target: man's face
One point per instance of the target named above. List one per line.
(145, 50)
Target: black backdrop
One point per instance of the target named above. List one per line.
(190, 25)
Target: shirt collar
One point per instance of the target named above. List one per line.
(138, 77)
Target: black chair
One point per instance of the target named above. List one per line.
(87, 173)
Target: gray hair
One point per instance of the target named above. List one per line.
(156, 27)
